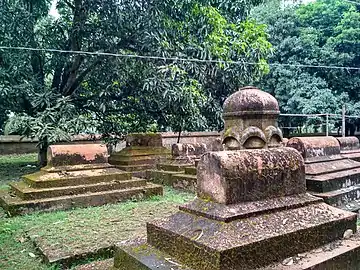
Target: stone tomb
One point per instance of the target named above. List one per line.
(329, 175)
(180, 171)
(142, 152)
(76, 176)
(252, 209)
(349, 147)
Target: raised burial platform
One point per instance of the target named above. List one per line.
(349, 147)
(329, 174)
(180, 171)
(76, 176)
(252, 209)
(142, 152)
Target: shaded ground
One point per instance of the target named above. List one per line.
(66, 233)
(12, 167)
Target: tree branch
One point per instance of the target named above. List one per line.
(72, 88)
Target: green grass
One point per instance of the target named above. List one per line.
(12, 167)
(67, 232)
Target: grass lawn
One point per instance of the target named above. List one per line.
(66, 233)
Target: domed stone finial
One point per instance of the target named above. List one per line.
(250, 117)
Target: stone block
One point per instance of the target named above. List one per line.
(231, 177)
(78, 154)
(76, 176)
(310, 147)
(247, 243)
(348, 143)
(144, 139)
(196, 149)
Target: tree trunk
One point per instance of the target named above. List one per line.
(42, 154)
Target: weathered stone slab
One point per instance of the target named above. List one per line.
(131, 255)
(76, 176)
(43, 179)
(232, 177)
(315, 146)
(203, 243)
(350, 147)
(331, 166)
(144, 139)
(60, 155)
(228, 213)
(138, 159)
(27, 192)
(348, 143)
(327, 169)
(181, 150)
(177, 175)
(15, 206)
(343, 254)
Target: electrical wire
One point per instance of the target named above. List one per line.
(171, 58)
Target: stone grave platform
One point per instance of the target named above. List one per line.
(349, 147)
(329, 174)
(252, 210)
(76, 176)
(179, 171)
(226, 229)
(142, 152)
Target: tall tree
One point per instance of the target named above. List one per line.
(125, 93)
(324, 33)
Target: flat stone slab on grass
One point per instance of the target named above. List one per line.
(94, 231)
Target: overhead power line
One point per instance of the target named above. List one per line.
(149, 57)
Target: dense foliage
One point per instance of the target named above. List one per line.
(124, 94)
(52, 95)
(326, 33)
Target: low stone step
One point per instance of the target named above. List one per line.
(354, 155)
(79, 167)
(184, 181)
(331, 167)
(25, 192)
(136, 151)
(43, 179)
(124, 160)
(332, 181)
(172, 167)
(340, 254)
(135, 168)
(228, 247)
(17, 206)
(322, 159)
(139, 253)
(160, 177)
(190, 170)
(341, 196)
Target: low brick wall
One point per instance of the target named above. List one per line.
(15, 144)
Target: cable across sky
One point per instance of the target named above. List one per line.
(149, 57)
